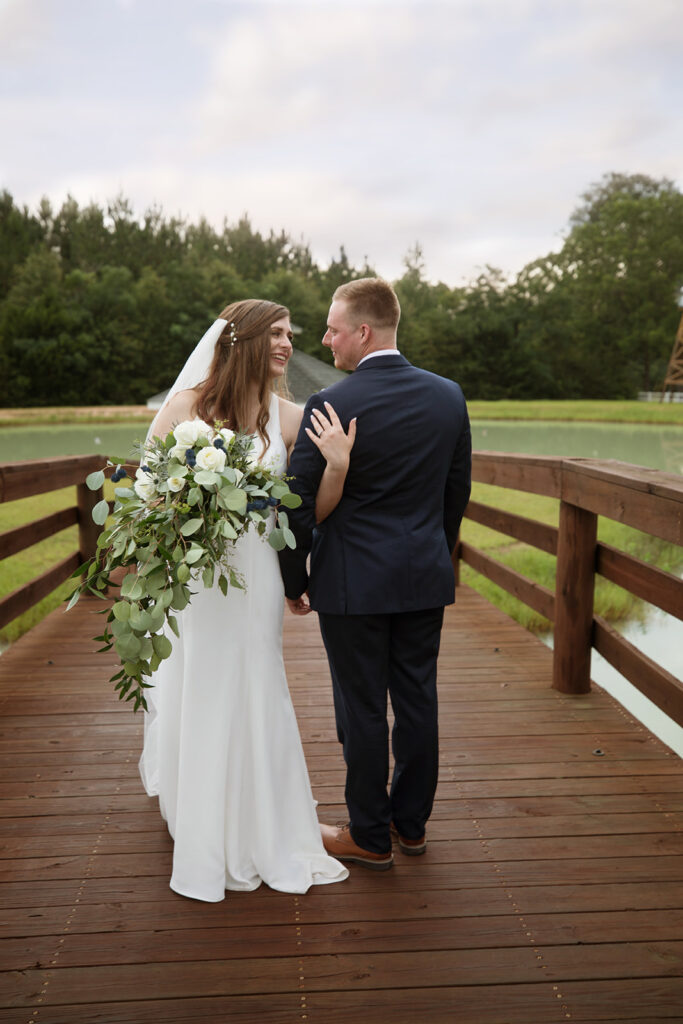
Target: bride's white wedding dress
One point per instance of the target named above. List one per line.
(222, 748)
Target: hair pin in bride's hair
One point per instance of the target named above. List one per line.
(233, 335)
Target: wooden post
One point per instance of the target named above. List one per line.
(88, 530)
(574, 584)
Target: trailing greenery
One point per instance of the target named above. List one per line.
(102, 306)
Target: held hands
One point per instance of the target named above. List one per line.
(328, 435)
(298, 605)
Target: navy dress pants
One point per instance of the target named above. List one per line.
(371, 656)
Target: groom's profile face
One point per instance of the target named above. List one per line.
(343, 337)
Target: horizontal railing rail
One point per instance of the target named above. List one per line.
(40, 476)
(646, 499)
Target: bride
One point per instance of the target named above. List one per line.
(222, 749)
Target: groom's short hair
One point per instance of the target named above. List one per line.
(370, 300)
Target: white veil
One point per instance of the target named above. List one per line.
(195, 369)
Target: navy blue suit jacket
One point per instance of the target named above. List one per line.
(387, 546)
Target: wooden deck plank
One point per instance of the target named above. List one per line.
(552, 888)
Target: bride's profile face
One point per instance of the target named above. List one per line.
(280, 346)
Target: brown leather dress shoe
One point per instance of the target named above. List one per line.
(411, 847)
(339, 843)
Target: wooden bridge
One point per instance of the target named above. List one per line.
(552, 887)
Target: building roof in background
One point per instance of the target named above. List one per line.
(305, 375)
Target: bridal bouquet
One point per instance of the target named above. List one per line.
(197, 491)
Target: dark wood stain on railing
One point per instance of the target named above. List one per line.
(551, 890)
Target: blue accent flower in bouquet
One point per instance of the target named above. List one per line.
(175, 527)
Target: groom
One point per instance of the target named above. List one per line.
(381, 568)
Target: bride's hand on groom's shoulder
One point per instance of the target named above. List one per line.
(330, 438)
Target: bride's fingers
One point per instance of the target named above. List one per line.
(334, 419)
(314, 437)
(319, 420)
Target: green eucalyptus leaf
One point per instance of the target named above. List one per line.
(180, 598)
(128, 646)
(100, 512)
(183, 573)
(193, 555)
(162, 645)
(122, 611)
(290, 539)
(173, 623)
(131, 587)
(207, 577)
(290, 500)
(223, 584)
(206, 477)
(191, 526)
(234, 499)
(95, 480)
(276, 539)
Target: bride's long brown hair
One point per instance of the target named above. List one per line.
(241, 358)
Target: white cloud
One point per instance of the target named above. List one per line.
(471, 126)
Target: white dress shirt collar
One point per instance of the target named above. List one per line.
(380, 352)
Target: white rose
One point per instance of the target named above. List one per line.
(211, 458)
(144, 488)
(187, 432)
(178, 451)
(227, 434)
(204, 430)
(175, 483)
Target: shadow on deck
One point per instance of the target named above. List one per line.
(551, 890)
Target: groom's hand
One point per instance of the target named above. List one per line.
(299, 605)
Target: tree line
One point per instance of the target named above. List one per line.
(101, 306)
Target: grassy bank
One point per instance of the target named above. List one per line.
(69, 415)
(570, 411)
(577, 411)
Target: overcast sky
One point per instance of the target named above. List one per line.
(469, 126)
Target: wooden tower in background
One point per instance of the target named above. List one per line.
(674, 371)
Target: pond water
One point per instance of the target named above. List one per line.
(640, 444)
(44, 442)
(644, 445)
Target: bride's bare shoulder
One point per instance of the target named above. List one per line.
(181, 407)
(290, 421)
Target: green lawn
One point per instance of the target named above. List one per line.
(572, 411)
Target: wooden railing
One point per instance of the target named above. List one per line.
(25, 479)
(649, 500)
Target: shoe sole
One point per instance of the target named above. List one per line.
(412, 851)
(373, 865)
